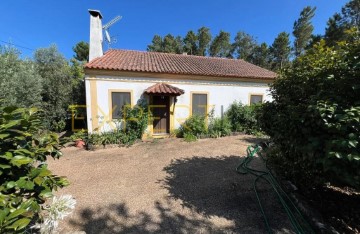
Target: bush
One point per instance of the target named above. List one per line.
(136, 120)
(195, 125)
(219, 127)
(314, 119)
(25, 181)
(243, 118)
(188, 137)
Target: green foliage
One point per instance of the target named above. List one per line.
(20, 83)
(56, 74)
(131, 128)
(243, 118)
(280, 51)
(195, 125)
(261, 56)
(156, 44)
(25, 181)
(221, 46)
(219, 127)
(314, 119)
(81, 51)
(204, 39)
(243, 46)
(303, 29)
(188, 137)
(190, 43)
(338, 24)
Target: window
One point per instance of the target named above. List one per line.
(119, 100)
(256, 98)
(199, 104)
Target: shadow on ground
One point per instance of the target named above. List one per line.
(212, 187)
(253, 140)
(219, 200)
(117, 218)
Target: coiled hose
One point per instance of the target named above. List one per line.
(297, 220)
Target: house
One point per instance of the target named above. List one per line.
(174, 86)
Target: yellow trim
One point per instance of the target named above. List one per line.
(176, 76)
(207, 100)
(256, 94)
(94, 105)
(150, 123)
(110, 91)
(172, 113)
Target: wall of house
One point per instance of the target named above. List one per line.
(220, 96)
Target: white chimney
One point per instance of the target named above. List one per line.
(96, 35)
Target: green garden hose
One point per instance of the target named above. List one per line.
(297, 220)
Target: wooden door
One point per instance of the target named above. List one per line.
(161, 113)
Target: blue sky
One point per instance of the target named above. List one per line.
(39, 23)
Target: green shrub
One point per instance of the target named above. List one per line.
(136, 120)
(195, 125)
(315, 116)
(219, 127)
(188, 137)
(25, 181)
(243, 118)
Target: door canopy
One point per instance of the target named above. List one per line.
(164, 90)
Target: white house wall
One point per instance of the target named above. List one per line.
(220, 94)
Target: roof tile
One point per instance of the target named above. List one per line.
(165, 89)
(140, 61)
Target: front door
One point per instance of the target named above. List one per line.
(161, 114)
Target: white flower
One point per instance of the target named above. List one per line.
(56, 211)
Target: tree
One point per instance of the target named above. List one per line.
(339, 23)
(179, 45)
(20, 83)
(314, 116)
(221, 46)
(170, 45)
(243, 46)
(261, 56)
(280, 51)
(190, 43)
(56, 75)
(156, 44)
(81, 51)
(303, 30)
(204, 39)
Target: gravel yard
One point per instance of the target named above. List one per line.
(166, 186)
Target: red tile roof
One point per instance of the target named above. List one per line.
(155, 62)
(163, 88)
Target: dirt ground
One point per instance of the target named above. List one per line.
(166, 186)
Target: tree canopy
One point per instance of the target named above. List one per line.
(303, 30)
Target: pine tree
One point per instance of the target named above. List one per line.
(339, 23)
(243, 46)
(81, 51)
(261, 56)
(190, 43)
(280, 51)
(204, 39)
(303, 30)
(156, 44)
(221, 46)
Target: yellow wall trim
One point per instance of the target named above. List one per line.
(94, 105)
